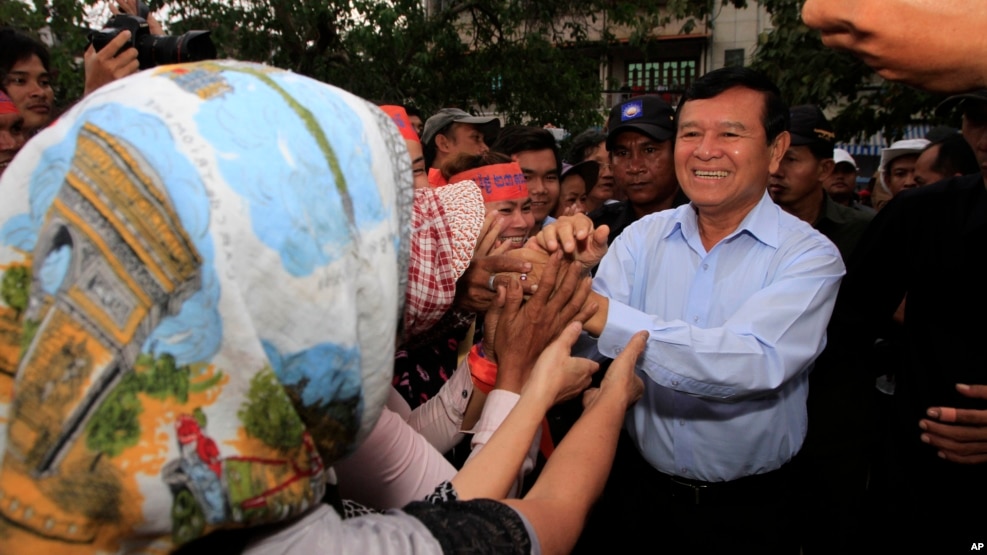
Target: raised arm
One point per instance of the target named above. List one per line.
(516, 339)
(556, 377)
(575, 474)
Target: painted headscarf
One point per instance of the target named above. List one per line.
(203, 267)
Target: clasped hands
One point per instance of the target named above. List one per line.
(518, 332)
(531, 341)
(572, 235)
(495, 265)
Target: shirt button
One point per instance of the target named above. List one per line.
(675, 382)
(695, 319)
(465, 394)
(705, 266)
(684, 470)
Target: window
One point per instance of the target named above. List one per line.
(733, 58)
(666, 75)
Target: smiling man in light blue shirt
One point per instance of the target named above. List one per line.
(736, 295)
(734, 332)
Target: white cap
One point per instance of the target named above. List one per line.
(840, 156)
(896, 150)
(901, 148)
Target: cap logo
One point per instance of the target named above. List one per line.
(631, 110)
(825, 135)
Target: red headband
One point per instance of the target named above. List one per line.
(497, 182)
(7, 105)
(400, 117)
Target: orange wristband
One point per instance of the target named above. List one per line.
(483, 371)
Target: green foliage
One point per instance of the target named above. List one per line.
(200, 417)
(269, 415)
(533, 61)
(165, 379)
(500, 56)
(115, 425)
(15, 288)
(206, 384)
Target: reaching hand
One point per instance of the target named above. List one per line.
(538, 260)
(574, 235)
(960, 434)
(473, 289)
(523, 331)
(491, 318)
(486, 245)
(621, 380)
(473, 292)
(557, 374)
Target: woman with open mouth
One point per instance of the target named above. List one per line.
(504, 190)
(425, 364)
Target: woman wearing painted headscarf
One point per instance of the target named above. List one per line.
(203, 267)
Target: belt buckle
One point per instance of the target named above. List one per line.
(696, 489)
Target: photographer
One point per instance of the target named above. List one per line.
(110, 63)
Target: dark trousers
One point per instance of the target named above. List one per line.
(643, 510)
(831, 470)
(829, 497)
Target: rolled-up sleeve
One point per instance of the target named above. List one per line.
(733, 323)
(440, 418)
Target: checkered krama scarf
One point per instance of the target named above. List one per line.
(445, 227)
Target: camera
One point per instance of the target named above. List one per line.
(153, 50)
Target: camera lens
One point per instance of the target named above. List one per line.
(165, 49)
(194, 46)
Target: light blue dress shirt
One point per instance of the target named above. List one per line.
(734, 332)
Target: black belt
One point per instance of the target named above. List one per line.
(749, 490)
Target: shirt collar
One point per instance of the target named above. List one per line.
(761, 222)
